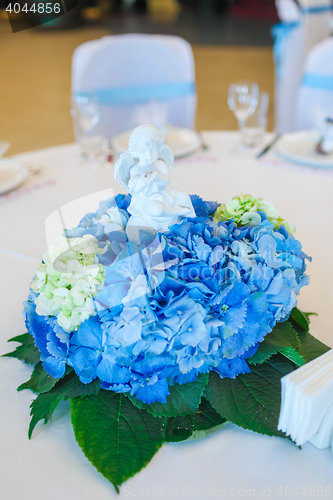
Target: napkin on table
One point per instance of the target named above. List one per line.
(307, 402)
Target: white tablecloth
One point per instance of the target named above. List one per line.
(230, 463)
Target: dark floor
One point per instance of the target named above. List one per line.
(199, 28)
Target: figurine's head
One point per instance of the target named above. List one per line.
(146, 143)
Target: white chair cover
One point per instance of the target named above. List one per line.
(135, 76)
(315, 95)
(301, 28)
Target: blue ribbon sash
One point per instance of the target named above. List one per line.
(137, 94)
(316, 10)
(318, 81)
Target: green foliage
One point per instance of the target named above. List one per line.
(310, 347)
(283, 338)
(42, 408)
(183, 399)
(180, 428)
(120, 434)
(118, 438)
(251, 401)
(27, 351)
(307, 315)
(302, 319)
(40, 380)
(68, 387)
(293, 355)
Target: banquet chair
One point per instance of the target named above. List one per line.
(315, 95)
(137, 78)
(304, 23)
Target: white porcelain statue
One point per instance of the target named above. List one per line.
(145, 171)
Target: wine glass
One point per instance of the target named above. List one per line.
(85, 110)
(255, 126)
(86, 113)
(4, 145)
(243, 100)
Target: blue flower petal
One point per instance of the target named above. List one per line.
(55, 367)
(230, 368)
(157, 392)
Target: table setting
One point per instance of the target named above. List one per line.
(45, 194)
(215, 173)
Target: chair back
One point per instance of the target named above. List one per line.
(304, 24)
(315, 95)
(137, 78)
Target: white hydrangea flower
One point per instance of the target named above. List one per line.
(250, 219)
(68, 279)
(113, 220)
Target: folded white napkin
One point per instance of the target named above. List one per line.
(324, 437)
(307, 395)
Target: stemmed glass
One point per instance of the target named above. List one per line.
(86, 113)
(4, 145)
(243, 100)
(86, 110)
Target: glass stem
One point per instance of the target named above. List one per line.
(241, 126)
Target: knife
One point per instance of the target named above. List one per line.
(264, 151)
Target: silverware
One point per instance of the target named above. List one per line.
(34, 170)
(203, 143)
(268, 147)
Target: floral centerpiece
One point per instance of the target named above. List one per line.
(169, 338)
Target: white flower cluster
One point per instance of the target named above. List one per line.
(112, 220)
(67, 280)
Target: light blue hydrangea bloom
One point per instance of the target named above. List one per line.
(199, 298)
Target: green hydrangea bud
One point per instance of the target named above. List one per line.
(243, 210)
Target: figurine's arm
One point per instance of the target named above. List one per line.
(136, 184)
(163, 175)
(139, 181)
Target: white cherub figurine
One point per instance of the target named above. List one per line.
(145, 171)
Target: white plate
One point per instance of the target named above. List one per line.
(182, 141)
(12, 174)
(300, 147)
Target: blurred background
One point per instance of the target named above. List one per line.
(230, 39)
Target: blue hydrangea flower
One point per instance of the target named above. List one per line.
(51, 340)
(198, 298)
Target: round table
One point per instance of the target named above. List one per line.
(231, 462)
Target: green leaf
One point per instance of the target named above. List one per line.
(68, 387)
(283, 338)
(293, 355)
(117, 438)
(307, 315)
(40, 380)
(300, 318)
(310, 347)
(180, 428)
(26, 352)
(42, 408)
(183, 399)
(251, 401)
